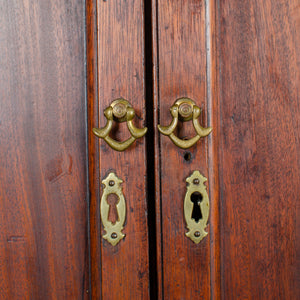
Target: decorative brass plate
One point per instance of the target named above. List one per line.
(196, 207)
(113, 231)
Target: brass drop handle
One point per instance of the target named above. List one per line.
(185, 109)
(120, 110)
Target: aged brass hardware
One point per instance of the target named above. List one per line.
(185, 109)
(120, 110)
(196, 207)
(112, 185)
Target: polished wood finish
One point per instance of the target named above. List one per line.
(259, 148)
(239, 60)
(180, 71)
(43, 236)
(117, 71)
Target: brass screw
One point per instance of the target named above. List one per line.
(197, 234)
(196, 181)
(119, 110)
(185, 110)
(114, 235)
(111, 183)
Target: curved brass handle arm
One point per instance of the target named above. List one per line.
(135, 132)
(103, 132)
(122, 111)
(187, 110)
(201, 131)
(167, 130)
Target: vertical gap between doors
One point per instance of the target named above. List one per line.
(150, 148)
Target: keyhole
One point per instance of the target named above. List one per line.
(113, 216)
(196, 198)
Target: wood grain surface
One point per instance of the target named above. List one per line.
(259, 148)
(180, 71)
(93, 150)
(43, 240)
(239, 61)
(120, 272)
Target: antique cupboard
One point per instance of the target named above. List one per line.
(189, 189)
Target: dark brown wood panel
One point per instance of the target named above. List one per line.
(43, 242)
(119, 272)
(180, 71)
(259, 148)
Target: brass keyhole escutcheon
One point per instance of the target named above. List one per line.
(185, 109)
(196, 207)
(113, 209)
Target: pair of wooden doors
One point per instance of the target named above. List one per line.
(63, 63)
(151, 54)
(233, 60)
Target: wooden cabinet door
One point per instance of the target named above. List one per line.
(181, 64)
(116, 55)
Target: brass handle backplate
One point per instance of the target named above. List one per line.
(120, 110)
(185, 109)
